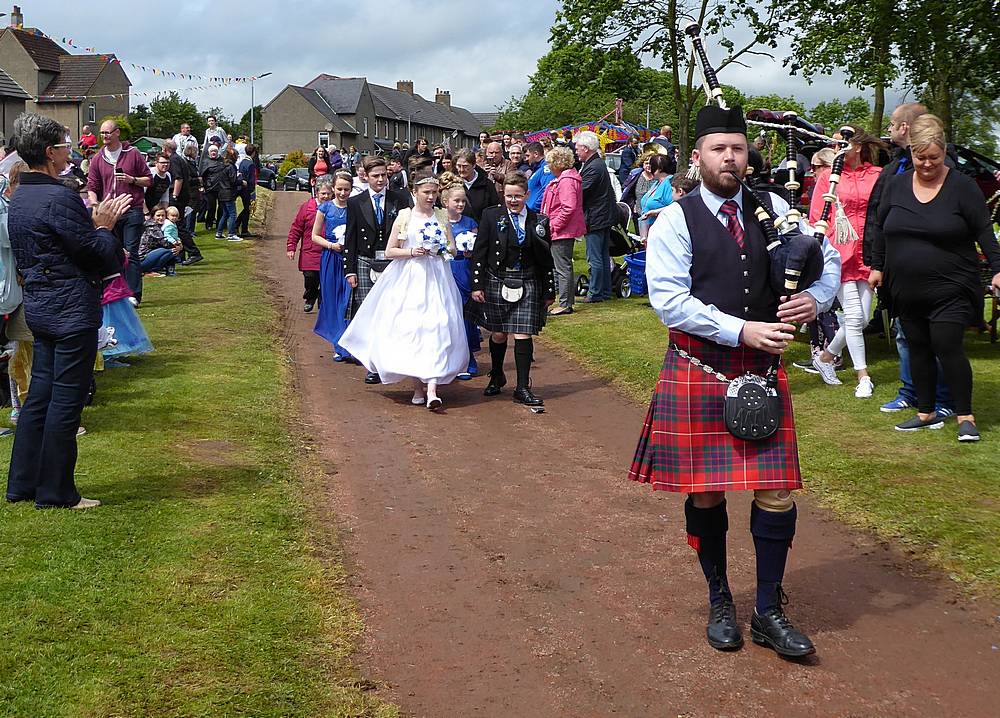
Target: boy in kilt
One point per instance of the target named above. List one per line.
(513, 283)
(370, 215)
(708, 270)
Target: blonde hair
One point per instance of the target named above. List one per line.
(451, 184)
(925, 131)
(824, 157)
(560, 158)
(173, 212)
(14, 173)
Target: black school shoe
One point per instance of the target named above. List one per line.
(497, 382)
(524, 396)
(372, 377)
(967, 431)
(722, 631)
(307, 307)
(774, 630)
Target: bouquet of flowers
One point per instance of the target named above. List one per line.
(339, 233)
(464, 241)
(435, 241)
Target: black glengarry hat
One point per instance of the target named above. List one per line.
(712, 119)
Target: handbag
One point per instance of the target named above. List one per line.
(512, 290)
(752, 405)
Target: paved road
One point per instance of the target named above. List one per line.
(506, 567)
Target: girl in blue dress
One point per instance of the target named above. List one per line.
(464, 230)
(328, 233)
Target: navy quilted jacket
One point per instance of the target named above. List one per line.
(60, 256)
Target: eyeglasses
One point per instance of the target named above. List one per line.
(105, 132)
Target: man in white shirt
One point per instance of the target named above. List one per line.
(184, 138)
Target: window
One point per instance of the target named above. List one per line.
(364, 126)
(91, 113)
(324, 139)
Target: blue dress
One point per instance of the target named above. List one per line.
(131, 335)
(462, 271)
(660, 194)
(331, 319)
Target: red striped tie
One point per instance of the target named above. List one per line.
(730, 208)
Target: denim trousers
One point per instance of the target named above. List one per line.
(44, 455)
(599, 260)
(128, 230)
(908, 391)
(157, 259)
(227, 216)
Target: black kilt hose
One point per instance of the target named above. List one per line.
(526, 316)
(497, 254)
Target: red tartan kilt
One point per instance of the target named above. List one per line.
(684, 444)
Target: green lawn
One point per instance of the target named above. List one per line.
(195, 589)
(923, 490)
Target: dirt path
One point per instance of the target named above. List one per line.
(506, 567)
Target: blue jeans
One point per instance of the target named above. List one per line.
(908, 391)
(599, 260)
(157, 259)
(44, 455)
(129, 232)
(227, 216)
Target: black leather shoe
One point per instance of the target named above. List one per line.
(307, 307)
(373, 378)
(497, 382)
(774, 630)
(524, 396)
(723, 632)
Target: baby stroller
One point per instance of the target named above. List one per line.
(623, 242)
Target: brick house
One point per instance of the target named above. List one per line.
(352, 111)
(68, 88)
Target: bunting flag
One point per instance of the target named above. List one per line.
(156, 71)
(130, 93)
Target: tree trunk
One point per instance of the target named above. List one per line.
(878, 112)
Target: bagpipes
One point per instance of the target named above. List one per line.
(796, 258)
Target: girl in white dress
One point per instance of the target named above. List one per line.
(410, 326)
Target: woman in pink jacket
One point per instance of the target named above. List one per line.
(563, 204)
(846, 232)
(310, 254)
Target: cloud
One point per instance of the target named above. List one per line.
(482, 52)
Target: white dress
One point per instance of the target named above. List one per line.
(411, 324)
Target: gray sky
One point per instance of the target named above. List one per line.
(482, 56)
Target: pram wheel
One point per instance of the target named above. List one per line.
(624, 288)
(582, 285)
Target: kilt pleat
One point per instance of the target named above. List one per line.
(498, 315)
(365, 285)
(684, 445)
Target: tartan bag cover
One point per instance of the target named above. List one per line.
(685, 446)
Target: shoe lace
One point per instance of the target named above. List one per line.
(777, 613)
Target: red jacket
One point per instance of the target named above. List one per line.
(563, 203)
(853, 192)
(301, 233)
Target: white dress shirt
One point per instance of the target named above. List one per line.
(668, 273)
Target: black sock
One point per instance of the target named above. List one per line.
(497, 354)
(523, 349)
(707, 535)
(772, 537)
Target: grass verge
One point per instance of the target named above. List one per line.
(195, 589)
(923, 490)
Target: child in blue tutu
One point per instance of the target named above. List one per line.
(464, 230)
(121, 321)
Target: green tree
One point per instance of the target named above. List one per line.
(225, 121)
(243, 128)
(832, 114)
(166, 114)
(295, 158)
(853, 36)
(653, 29)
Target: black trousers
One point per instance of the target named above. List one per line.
(310, 278)
(942, 340)
(211, 206)
(243, 218)
(44, 455)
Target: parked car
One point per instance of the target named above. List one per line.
(296, 180)
(267, 178)
(983, 171)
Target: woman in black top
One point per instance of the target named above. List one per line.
(930, 220)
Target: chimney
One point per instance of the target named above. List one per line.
(405, 86)
(443, 97)
(16, 18)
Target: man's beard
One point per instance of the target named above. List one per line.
(721, 183)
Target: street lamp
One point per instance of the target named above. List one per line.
(259, 77)
(409, 119)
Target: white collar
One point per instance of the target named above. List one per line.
(714, 202)
(522, 215)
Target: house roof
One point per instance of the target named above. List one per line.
(486, 119)
(343, 94)
(77, 74)
(323, 107)
(43, 52)
(10, 88)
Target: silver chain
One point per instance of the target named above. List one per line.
(696, 362)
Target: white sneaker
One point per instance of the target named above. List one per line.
(86, 504)
(235, 238)
(826, 370)
(865, 388)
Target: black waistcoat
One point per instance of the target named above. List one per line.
(735, 280)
